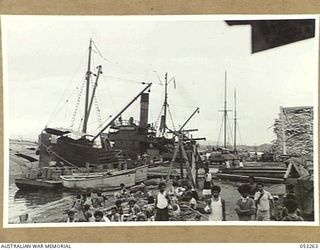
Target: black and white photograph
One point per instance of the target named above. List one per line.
(160, 120)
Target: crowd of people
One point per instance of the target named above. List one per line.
(141, 205)
(170, 201)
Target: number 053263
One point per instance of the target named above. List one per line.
(309, 245)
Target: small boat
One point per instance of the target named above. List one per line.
(36, 184)
(269, 172)
(99, 180)
(245, 178)
(141, 174)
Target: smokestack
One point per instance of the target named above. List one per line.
(144, 109)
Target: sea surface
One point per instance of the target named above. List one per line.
(40, 205)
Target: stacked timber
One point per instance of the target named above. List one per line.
(294, 130)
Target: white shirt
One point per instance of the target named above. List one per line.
(162, 201)
(68, 220)
(77, 204)
(106, 219)
(227, 164)
(244, 200)
(263, 204)
(179, 191)
(193, 202)
(208, 177)
(216, 210)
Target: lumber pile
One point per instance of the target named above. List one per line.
(296, 123)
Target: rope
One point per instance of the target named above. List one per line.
(73, 118)
(230, 131)
(55, 154)
(108, 92)
(99, 53)
(122, 79)
(64, 93)
(96, 104)
(80, 124)
(99, 119)
(169, 111)
(157, 122)
(159, 79)
(240, 134)
(218, 141)
(111, 62)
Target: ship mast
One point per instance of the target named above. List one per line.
(165, 107)
(283, 131)
(235, 121)
(88, 74)
(225, 111)
(94, 90)
(165, 104)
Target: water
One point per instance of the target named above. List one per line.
(48, 206)
(40, 205)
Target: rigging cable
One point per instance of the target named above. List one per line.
(81, 118)
(111, 62)
(96, 104)
(99, 53)
(60, 106)
(158, 122)
(109, 93)
(80, 124)
(107, 119)
(98, 111)
(230, 137)
(122, 79)
(240, 137)
(73, 118)
(218, 141)
(198, 119)
(173, 126)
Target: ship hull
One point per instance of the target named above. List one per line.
(141, 174)
(99, 181)
(36, 184)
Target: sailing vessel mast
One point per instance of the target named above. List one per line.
(225, 111)
(88, 74)
(163, 122)
(283, 131)
(235, 122)
(165, 104)
(94, 90)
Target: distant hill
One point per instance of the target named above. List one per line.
(266, 147)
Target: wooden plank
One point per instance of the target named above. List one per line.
(288, 171)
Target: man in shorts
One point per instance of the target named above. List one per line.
(264, 203)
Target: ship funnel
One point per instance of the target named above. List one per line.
(144, 110)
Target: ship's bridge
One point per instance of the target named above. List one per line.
(122, 124)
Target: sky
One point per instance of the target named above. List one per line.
(45, 60)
